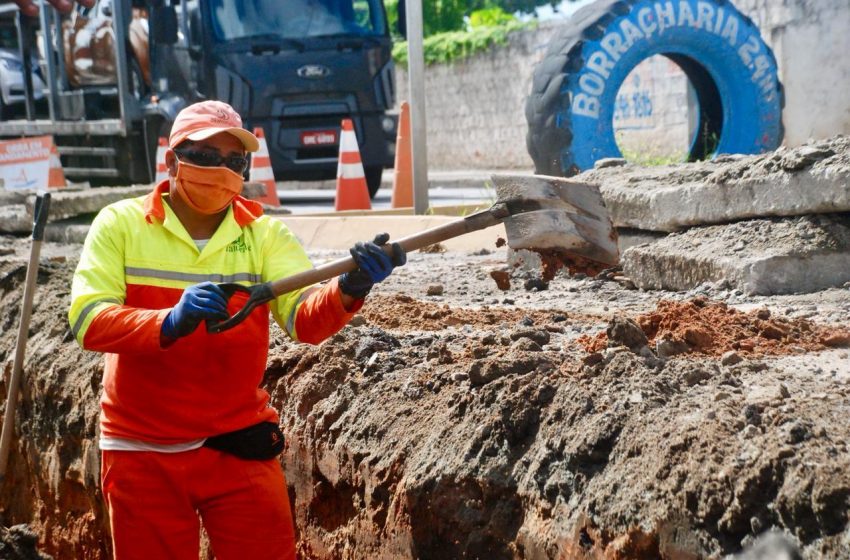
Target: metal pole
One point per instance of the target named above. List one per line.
(62, 83)
(47, 40)
(416, 76)
(24, 25)
(120, 21)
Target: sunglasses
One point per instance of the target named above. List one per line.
(213, 159)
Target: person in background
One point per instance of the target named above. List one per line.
(186, 433)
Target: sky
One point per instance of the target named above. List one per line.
(565, 10)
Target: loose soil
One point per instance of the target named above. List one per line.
(493, 424)
(712, 329)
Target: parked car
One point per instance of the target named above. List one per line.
(12, 75)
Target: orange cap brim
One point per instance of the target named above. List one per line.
(246, 137)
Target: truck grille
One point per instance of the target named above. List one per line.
(324, 152)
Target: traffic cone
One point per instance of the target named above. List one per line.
(161, 169)
(55, 175)
(351, 190)
(403, 176)
(261, 170)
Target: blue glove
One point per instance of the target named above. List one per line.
(374, 265)
(201, 301)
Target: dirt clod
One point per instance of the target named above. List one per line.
(554, 260)
(713, 328)
(434, 290)
(625, 332)
(502, 279)
(19, 543)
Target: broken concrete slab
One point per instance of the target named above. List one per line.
(66, 233)
(16, 206)
(811, 179)
(17, 213)
(759, 257)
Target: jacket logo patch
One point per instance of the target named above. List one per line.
(238, 246)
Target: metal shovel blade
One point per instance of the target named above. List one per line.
(560, 215)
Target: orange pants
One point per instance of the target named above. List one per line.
(156, 502)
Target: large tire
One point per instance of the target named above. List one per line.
(571, 106)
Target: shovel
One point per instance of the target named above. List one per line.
(42, 205)
(561, 219)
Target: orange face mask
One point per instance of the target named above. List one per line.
(207, 190)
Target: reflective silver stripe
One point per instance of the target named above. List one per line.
(290, 321)
(85, 313)
(186, 277)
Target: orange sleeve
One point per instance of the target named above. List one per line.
(120, 328)
(322, 314)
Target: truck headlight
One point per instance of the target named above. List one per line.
(388, 124)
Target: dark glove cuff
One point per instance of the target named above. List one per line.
(168, 330)
(352, 286)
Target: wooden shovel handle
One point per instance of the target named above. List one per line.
(42, 207)
(263, 293)
(473, 222)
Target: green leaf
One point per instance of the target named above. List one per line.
(451, 46)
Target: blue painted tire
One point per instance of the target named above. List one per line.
(571, 106)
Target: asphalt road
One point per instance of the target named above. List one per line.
(308, 201)
(448, 188)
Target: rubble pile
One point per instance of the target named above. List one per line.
(713, 328)
(475, 408)
(432, 429)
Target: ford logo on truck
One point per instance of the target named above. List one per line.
(314, 71)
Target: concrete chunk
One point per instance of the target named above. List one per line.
(811, 179)
(769, 256)
(17, 217)
(16, 207)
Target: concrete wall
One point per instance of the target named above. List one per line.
(476, 107)
(475, 111)
(655, 113)
(811, 41)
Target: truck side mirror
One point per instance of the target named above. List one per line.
(163, 25)
(401, 26)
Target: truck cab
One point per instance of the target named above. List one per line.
(295, 68)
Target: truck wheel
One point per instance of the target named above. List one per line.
(373, 178)
(571, 106)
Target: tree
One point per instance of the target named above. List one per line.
(450, 15)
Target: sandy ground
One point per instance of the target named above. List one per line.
(576, 419)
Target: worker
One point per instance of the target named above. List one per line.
(186, 433)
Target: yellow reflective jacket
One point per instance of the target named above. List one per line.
(136, 262)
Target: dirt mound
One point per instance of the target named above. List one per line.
(402, 312)
(53, 472)
(426, 431)
(713, 328)
(523, 452)
(19, 543)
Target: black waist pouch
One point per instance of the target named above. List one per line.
(258, 442)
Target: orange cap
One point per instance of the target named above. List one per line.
(208, 118)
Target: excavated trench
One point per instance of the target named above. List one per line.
(585, 420)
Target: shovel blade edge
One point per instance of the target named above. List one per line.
(572, 217)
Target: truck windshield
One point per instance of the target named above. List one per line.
(296, 19)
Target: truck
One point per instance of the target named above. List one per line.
(116, 74)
